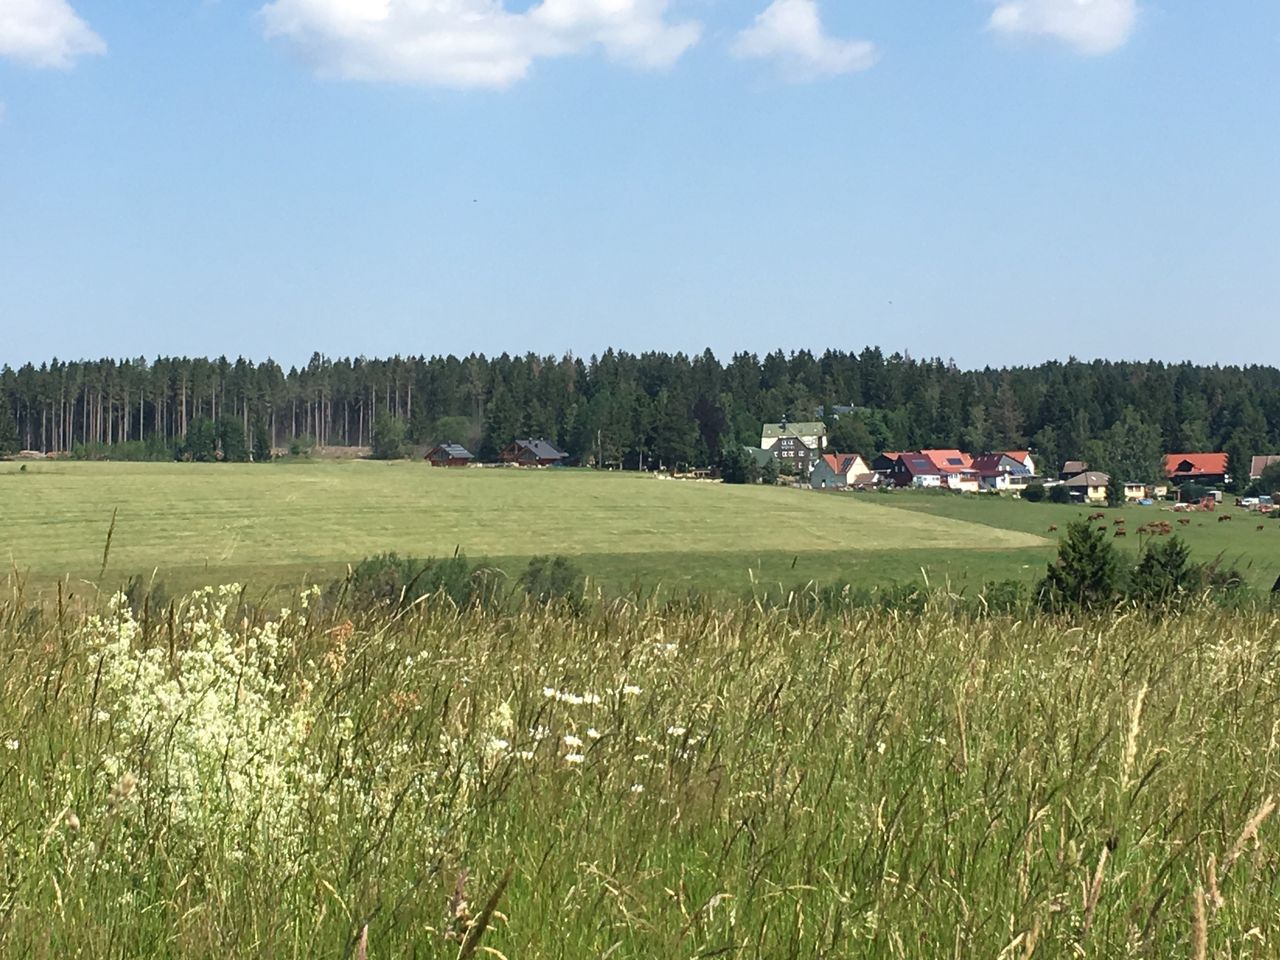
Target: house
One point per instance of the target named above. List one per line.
(1073, 468)
(962, 481)
(449, 455)
(884, 463)
(1206, 469)
(949, 461)
(795, 453)
(1002, 472)
(813, 435)
(1136, 491)
(915, 470)
(836, 471)
(1258, 464)
(533, 453)
(1023, 457)
(1090, 486)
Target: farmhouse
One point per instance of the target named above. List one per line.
(533, 453)
(1258, 464)
(1072, 468)
(449, 455)
(1206, 469)
(949, 461)
(1023, 457)
(794, 452)
(1090, 486)
(884, 464)
(836, 471)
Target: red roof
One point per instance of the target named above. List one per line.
(1195, 464)
(841, 462)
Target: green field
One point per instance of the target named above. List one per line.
(286, 523)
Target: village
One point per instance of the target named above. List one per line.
(1192, 480)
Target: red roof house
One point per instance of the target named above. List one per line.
(1205, 468)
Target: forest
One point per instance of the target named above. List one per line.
(635, 410)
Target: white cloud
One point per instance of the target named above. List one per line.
(790, 31)
(472, 43)
(1091, 27)
(45, 33)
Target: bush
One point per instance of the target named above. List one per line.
(201, 442)
(1164, 572)
(1060, 493)
(232, 445)
(302, 446)
(390, 581)
(1086, 573)
(1034, 492)
(555, 580)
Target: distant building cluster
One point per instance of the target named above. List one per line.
(802, 450)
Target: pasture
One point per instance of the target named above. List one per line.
(289, 523)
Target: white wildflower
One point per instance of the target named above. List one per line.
(525, 754)
(573, 758)
(593, 733)
(12, 744)
(631, 690)
(550, 693)
(676, 731)
(880, 747)
(640, 758)
(571, 741)
(637, 788)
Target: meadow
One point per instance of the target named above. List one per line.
(216, 779)
(294, 523)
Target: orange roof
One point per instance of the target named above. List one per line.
(949, 461)
(1194, 464)
(1019, 455)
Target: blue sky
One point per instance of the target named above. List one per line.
(998, 181)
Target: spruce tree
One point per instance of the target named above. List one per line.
(1085, 574)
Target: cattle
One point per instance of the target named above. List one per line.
(1262, 526)
(1224, 518)
(1118, 523)
(1118, 533)
(1053, 528)
(1184, 521)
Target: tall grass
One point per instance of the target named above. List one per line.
(214, 780)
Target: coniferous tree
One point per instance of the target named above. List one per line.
(9, 440)
(1085, 574)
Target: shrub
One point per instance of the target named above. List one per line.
(554, 580)
(738, 466)
(232, 444)
(302, 446)
(388, 580)
(1034, 492)
(201, 442)
(1060, 493)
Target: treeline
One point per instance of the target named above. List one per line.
(653, 408)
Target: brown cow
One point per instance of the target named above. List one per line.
(1184, 521)
(1053, 528)
(1224, 518)
(1118, 533)
(1118, 523)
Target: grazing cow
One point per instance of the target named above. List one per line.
(1184, 521)
(1118, 533)
(1224, 518)
(1118, 523)
(1053, 528)
(1262, 526)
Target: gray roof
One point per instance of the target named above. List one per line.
(541, 449)
(1092, 478)
(811, 429)
(454, 451)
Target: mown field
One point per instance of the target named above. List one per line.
(636, 782)
(292, 523)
